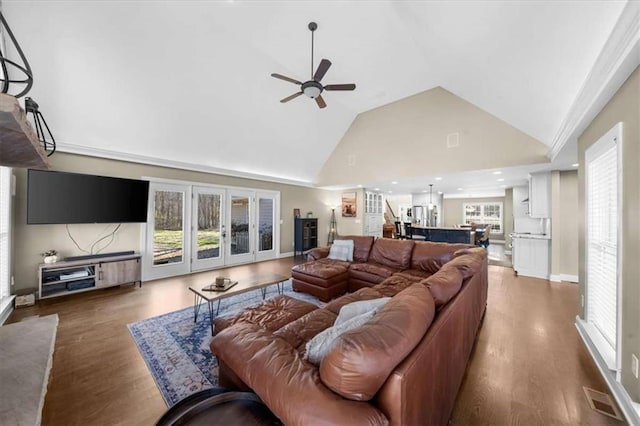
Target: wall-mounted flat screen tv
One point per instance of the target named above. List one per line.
(64, 198)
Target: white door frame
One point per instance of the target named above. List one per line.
(149, 270)
(275, 249)
(213, 262)
(236, 259)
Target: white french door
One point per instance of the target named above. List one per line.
(199, 227)
(168, 240)
(267, 228)
(208, 226)
(240, 226)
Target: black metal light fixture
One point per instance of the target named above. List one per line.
(7, 83)
(333, 227)
(46, 139)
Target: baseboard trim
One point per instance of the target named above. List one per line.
(570, 278)
(556, 278)
(629, 407)
(6, 307)
(288, 254)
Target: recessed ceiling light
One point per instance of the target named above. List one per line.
(497, 172)
(376, 189)
(359, 186)
(459, 189)
(501, 180)
(424, 190)
(440, 192)
(438, 178)
(394, 182)
(575, 164)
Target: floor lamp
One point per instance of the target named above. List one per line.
(333, 226)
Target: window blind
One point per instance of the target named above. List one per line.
(5, 231)
(602, 238)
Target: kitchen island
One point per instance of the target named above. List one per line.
(445, 235)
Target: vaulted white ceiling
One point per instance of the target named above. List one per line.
(188, 83)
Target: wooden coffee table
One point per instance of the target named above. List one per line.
(258, 281)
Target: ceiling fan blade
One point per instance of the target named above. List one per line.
(285, 78)
(322, 69)
(320, 101)
(340, 87)
(288, 98)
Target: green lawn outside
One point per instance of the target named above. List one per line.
(173, 239)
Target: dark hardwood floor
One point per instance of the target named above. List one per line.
(528, 366)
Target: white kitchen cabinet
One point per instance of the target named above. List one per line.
(540, 195)
(531, 257)
(520, 201)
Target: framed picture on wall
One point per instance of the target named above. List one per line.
(296, 212)
(349, 206)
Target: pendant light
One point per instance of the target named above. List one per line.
(7, 83)
(431, 196)
(11, 84)
(46, 139)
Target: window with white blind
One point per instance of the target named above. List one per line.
(5, 233)
(602, 282)
(483, 213)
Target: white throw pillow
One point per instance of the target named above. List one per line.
(354, 309)
(323, 342)
(341, 250)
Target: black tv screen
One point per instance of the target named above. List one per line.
(63, 198)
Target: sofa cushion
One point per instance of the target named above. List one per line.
(327, 261)
(323, 342)
(341, 250)
(372, 269)
(297, 333)
(270, 314)
(364, 357)
(478, 251)
(414, 274)
(444, 284)
(393, 285)
(366, 293)
(469, 263)
(395, 254)
(430, 257)
(354, 309)
(361, 246)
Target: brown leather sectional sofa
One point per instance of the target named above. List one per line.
(402, 367)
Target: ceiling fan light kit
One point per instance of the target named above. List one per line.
(313, 88)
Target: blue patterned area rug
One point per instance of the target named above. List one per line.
(176, 349)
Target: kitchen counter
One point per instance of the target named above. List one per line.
(532, 236)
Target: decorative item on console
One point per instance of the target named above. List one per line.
(50, 256)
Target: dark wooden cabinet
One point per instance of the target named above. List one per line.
(305, 235)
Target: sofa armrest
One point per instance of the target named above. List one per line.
(317, 253)
(289, 386)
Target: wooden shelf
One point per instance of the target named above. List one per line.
(19, 145)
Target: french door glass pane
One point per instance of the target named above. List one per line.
(168, 233)
(239, 225)
(208, 226)
(265, 224)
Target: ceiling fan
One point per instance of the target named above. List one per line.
(313, 88)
